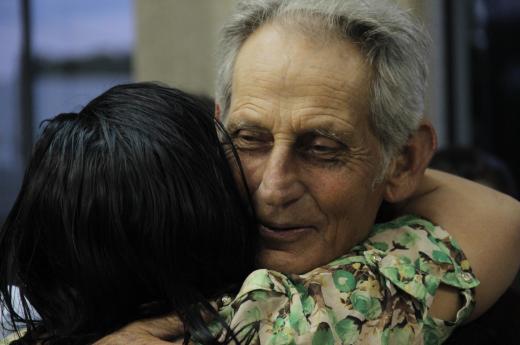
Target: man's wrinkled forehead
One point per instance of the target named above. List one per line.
(275, 62)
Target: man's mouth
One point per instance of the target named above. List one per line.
(283, 232)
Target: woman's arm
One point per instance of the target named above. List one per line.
(484, 222)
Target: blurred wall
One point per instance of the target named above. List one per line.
(431, 13)
(176, 40)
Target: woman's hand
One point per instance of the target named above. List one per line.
(157, 331)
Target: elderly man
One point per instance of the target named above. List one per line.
(324, 102)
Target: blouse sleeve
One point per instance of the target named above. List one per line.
(379, 293)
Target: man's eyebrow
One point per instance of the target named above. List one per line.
(343, 136)
(236, 125)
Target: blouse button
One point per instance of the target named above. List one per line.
(226, 300)
(467, 277)
(376, 258)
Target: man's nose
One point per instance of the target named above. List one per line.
(280, 185)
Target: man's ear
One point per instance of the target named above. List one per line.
(218, 112)
(407, 167)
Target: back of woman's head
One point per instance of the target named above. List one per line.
(128, 209)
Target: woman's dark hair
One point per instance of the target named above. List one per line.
(128, 209)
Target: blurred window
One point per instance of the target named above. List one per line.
(10, 148)
(483, 77)
(496, 78)
(79, 49)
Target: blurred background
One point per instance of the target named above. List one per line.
(55, 55)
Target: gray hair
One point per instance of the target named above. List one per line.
(395, 46)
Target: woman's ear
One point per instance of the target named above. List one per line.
(407, 167)
(218, 112)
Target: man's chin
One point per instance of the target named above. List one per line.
(284, 262)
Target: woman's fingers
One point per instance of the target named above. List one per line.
(149, 331)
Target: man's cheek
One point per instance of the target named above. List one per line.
(252, 167)
(332, 192)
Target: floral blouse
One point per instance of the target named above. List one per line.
(379, 293)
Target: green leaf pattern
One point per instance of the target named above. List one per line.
(379, 293)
